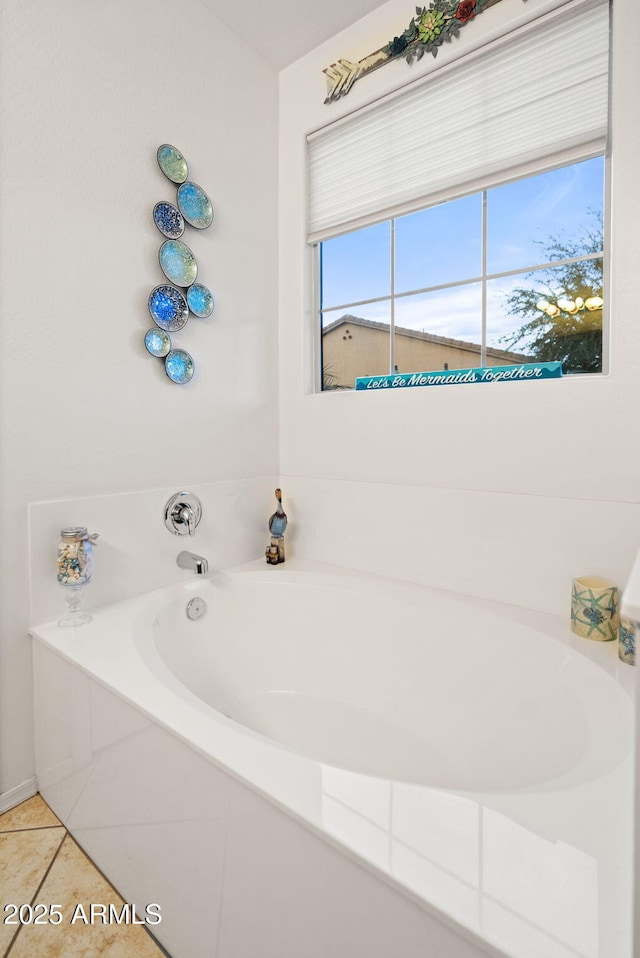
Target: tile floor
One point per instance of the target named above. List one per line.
(41, 863)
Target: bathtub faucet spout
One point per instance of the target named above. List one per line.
(197, 564)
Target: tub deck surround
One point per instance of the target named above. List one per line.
(475, 759)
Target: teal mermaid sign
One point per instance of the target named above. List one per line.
(524, 372)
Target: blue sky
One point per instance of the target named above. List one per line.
(443, 244)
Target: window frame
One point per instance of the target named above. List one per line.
(504, 179)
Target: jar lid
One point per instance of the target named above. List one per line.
(75, 533)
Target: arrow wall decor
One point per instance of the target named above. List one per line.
(428, 30)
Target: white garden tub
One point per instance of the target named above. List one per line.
(331, 764)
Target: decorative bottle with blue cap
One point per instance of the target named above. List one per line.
(277, 525)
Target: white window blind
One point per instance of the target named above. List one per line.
(540, 93)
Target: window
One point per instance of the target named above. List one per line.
(507, 275)
(460, 222)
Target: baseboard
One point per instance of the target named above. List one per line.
(18, 794)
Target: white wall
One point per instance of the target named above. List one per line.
(509, 490)
(88, 92)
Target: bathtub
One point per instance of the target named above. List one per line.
(325, 763)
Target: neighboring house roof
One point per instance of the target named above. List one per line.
(349, 320)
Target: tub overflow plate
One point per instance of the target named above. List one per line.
(196, 608)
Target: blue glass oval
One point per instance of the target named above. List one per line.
(172, 163)
(195, 205)
(179, 366)
(157, 342)
(178, 263)
(200, 300)
(168, 308)
(169, 220)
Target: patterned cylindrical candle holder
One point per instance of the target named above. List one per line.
(594, 608)
(627, 641)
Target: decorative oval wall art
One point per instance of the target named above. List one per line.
(200, 300)
(172, 163)
(168, 308)
(170, 303)
(157, 342)
(195, 205)
(179, 366)
(169, 220)
(178, 263)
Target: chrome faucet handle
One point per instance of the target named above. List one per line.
(187, 515)
(182, 513)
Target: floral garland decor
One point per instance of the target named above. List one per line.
(432, 26)
(429, 29)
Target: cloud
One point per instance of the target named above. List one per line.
(456, 312)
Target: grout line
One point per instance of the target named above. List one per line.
(29, 828)
(46, 874)
(97, 869)
(12, 942)
(223, 866)
(531, 924)
(160, 947)
(37, 891)
(46, 804)
(67, 834)
(316, 477)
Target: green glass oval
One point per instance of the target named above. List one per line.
(178, 263)
(172, 163)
